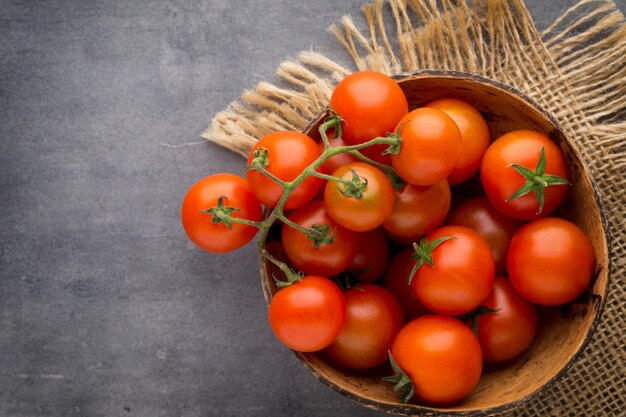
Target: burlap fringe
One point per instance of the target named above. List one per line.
(576, 69)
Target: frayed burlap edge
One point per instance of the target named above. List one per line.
(575, 69)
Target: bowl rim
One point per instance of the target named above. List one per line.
(414, 409)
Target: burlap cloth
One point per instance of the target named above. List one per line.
(575, 69)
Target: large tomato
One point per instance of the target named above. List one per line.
(550, 261)
(509, 331)
(462, 274)
(366, 204)
(370, 103)
(497, 229)
(441, 356)
(371, 256)
(288, 154)
(373, 318)
(475, 134)
(309, 314)
(200, 225)
(431, 146)
(417, 210)
(329, 258)
(396, 280)
(501, 180)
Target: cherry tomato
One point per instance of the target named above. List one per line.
(508, 332)
(417, 210)
(497, 229)
(371, 256)
(373, 318)
(500, 180)
(550, 261)
(431, 146)
(474, 132)
(199, 224)
(396, 280)
(361, 210)
(370, 103)
(330, 258)
(441, 356)
(332, 164)
(307, 316)
(462, 274)
(288, 154)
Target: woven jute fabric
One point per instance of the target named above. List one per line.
(575, 69)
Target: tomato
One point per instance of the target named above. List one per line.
(474, 132)
(501, 180)
(462, 274)
(431, 146)
(330, 258)
(508, 332)
(307, 316)
(288, 154)
(417, 210)
(373, 318)
(371, 256)
(334, 163)
(364, 207)
(370, 103)
(441, 356)
(396, 280)
(550, 261)
(204, 195)
(497, 229)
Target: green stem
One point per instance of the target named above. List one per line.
(290, 274)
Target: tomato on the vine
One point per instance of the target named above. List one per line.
(528, 164)
(550, 261)
(328, 258)
(308, 315)
(496, 228)
(459, 273)
(285, 154)
(364, 201)
(441, 356)
(506, 333)
(371, 256)
(373, 318)
(396, 280)
(235, 198)
(430, 149)
(417, 210)
(474, 132)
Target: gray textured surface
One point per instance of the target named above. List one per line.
(106, 309)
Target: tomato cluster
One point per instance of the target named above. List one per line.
(381, 266)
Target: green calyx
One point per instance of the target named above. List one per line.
(331, 121)
(536, 181)
(396, 144)
(424, 253)
(353, 187)
(259, 159)
(475, 314)
(320, 234)
(402, 382)
(221, 213)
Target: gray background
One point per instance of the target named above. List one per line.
(106, 309)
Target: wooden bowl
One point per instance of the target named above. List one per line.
(563, 331)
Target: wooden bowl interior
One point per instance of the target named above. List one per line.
(563, 331)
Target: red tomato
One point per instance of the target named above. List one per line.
(365, 211)
(417, 210)
(288, 154)
(508, 332)
(550, 261)
(500, 180)
(370, 103)
(327, 260)
(308, 315)
(462, 275)
(371, 256)
(474, 132)
(373, 318)
(396, 280)
(204, 195)
(497, 229)
(334, 163)
(431, 146)
(441, 356)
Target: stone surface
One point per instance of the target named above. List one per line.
(106, 309)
